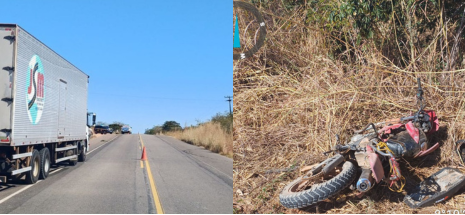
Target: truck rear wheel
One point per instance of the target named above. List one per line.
(33, 175)
(44, 163)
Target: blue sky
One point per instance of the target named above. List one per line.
(149, 61)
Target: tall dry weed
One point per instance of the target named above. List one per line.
(295, 95)
(209, 135)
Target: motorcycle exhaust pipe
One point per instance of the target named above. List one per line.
(365, 182)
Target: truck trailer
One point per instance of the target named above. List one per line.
(43, 108)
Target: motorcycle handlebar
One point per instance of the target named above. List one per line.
(419, 83)
(419, 93)
(407, 118)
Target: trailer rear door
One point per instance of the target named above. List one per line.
(7, 44)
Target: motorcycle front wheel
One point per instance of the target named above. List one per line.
(302, 193)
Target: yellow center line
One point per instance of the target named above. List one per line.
(153, 187)
(141, 164)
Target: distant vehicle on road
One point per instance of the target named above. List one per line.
(126, 129)
(43, 107)
(91, 117)
(103, 129)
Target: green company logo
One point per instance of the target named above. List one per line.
(254, 34)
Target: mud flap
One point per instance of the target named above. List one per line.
(440, 186)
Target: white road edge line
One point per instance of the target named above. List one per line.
(18, 192)
(200, 160)
(52, 172)
(27, 187)
(101, 145)
(56, 170)
(216, 169)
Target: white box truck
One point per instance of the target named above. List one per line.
(43, 107)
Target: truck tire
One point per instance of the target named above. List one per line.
(83, 155)
(16, 179)
(44, 163)
(72, 162)
(33, 175)
(317, 192)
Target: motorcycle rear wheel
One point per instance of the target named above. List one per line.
(290, 197)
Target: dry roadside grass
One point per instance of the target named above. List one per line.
(292, 98)
(209, 135)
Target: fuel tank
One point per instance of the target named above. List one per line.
(407, 141)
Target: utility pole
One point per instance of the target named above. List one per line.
(229, 99)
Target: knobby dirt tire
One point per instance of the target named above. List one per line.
(318, 192)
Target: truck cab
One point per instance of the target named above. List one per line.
(103, 129)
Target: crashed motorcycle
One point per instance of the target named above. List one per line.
(369, 158)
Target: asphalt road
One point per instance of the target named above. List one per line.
(181, 179)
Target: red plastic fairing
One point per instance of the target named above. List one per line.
(414, 133)
(375, 164)
(387, 129)
(434, 121)
(423, 153)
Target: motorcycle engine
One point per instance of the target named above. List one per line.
(403, 145)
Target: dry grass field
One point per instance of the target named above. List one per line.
(295, 95)
(209, 135)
